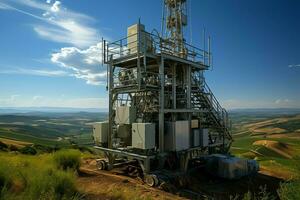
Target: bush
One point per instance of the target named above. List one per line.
(5, 176)
(13, 148)
(289, 191)
(64, 184)
(28, 150)
(51, 184)
(3, 145)
(67, 159)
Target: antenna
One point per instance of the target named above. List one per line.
(174, 20)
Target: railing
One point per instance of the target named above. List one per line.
(129, 77)
(220, 113)
(146, 42)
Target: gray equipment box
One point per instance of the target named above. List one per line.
(125, 115)
(196, 136)
(143, 135)
(138, 38)
(124, 132)
(203, 137)
(177, 136)
(100, 132)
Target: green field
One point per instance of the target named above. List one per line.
(51, 129)
(255, 137)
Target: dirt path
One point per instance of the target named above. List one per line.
(102, 185)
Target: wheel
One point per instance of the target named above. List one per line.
(151, 180)
(101, 165)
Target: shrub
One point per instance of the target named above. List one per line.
(13, 147)
(289, 191)
(64, 184)
(51, 184)
(28, 150)
(3, 145)
(5, 176)
(67, 159)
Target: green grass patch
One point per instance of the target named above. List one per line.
(39, 176)
(67, 159)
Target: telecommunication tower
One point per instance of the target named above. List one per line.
(162, 114)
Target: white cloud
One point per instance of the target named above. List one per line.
(56, 6)
(48, 1)
(37, 98)
(260, 103)
(3, 6)
(294, 65)
(36, 72)
(58, 23)
(38, 101)
(85, 64)
(83, 58)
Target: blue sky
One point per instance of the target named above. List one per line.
(50, 50)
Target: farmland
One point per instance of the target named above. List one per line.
(50, 129)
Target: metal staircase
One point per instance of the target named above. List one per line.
(215, 116)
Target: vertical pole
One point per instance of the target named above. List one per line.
(209, 57)
(138, 55)
(188, 83)
(110, 114)
(161, 105)
(174, 85)
(204, 47)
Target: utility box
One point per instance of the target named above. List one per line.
(177, 136)
(138, 38)
(143, 135)
(195, 123)
(203, 137)
(196, 137)
(124, 133)
(125, 115)
(100, 132)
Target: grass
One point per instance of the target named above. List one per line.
(67, 159)
(43, 176)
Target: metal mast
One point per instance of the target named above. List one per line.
(173, 23)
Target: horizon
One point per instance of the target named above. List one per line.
(255, 46)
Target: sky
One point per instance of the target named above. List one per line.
(50, 51)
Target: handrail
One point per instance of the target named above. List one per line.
(156, 44)
(222, 114)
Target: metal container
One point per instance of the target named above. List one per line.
(124, 132)
(196, 137)
(195, 123)
(125, 115)
(143, 135)
(177, 136)
(138, 38)
(100, 132)
(203, 137)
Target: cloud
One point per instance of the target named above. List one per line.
(57, 23)
(36, 72)
(37, 97)
(260, 103)
(39, 101)
(82, 59)
(291, 66)
(56, 6)
(85, 64)
(282, 101)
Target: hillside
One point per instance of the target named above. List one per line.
(273, 140)
(51, 129)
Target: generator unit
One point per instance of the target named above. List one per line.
(161, 111)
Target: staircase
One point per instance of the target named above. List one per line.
(214, 116)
